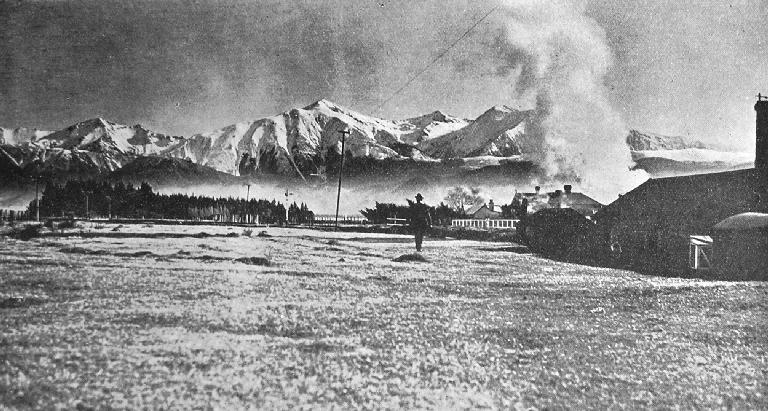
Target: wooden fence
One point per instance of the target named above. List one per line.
(325, 219)
(487, 223)
(397, 221)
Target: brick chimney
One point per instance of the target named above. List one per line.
(490, 204)
(538, 189)
(567, 188)
(761, 145)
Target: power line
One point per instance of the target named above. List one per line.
(438, 57)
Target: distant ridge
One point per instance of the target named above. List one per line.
(304, 142)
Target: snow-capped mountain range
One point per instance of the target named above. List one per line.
(298, 141)
(303, 141)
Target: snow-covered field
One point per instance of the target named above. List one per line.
(187, 317)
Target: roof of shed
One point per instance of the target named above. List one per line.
(477, 207)
(581, 199)
(712, 190)
(743, 221)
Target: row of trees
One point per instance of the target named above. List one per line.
(101, 199)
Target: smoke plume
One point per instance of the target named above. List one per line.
(562, 57)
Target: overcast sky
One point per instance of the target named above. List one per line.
(182, 67)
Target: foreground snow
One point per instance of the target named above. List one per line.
(187, 317)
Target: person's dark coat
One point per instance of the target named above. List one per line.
(420, 218)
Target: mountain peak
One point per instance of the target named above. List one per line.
(502, 109)
(323, 102)
(438, 115)
(95, 122)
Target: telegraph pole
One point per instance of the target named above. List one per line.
(344, 133)
(37, 170)
(286, 206)
(247, 197)
(37, 198)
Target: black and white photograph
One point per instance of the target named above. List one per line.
(383, 204)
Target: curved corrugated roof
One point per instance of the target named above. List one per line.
(743, 221)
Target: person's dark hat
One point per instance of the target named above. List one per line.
(419, 196)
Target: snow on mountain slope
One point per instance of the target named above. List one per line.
(161, 172)
(500, 131)
(644, 141)
(21, 135)
(429, 126)
(85, 149)
(99, 135)
(58, 163)
(298, 141)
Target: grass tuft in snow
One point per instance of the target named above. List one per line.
(413, 257)
(253, 261)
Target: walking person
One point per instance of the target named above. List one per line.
(420, 220)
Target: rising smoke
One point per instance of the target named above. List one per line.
(562, 56)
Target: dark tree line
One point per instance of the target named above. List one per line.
(441, 215)
(300, 214)
(101, 199)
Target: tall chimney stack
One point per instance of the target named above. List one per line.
(761, 151)
(761, 145)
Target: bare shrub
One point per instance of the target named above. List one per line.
(82, 250)
(415, 257)
(67, 224)
(25, 232)
(247, 232)
(137, 254)
(20, 302)
(253, 261)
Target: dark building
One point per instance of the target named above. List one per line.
(741, 247)
(649, 228)
(558, 232)
(565, 198)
